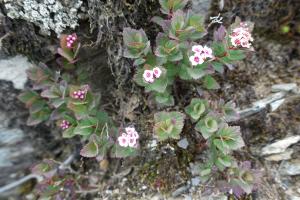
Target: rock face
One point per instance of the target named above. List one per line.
(46, 14)
(14, 69)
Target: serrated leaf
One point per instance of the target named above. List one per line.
(207, 126)
(224, 160)
(231, 137)
(90, 149)
(168, 125)
(219, 49)
(196, 108)
(236, 55)
(122, 152)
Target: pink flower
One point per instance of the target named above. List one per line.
(123, 140)
(132, 133)
(241, 37)
(207, 52)
(157, 72)
(148, 76)
(130, 130)
(196, 59)
(132, 142)
(197, 48)
(129, 138)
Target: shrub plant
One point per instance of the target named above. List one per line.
(65, 97)
(179, 54)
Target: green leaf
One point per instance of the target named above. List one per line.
(231, 137)
(68, 133)
(205, 172)
(122, 152)
(168, 125)
(168, 6)
(219, 49)
(210, 83)
(28, 97)
(79, 108)
(164, 99)
(207, 126)
(37, 106)
(66, 54)
(218, 67)
(38, 117)
(57, 102)
(139, 61)
(236, 55)
(183, 73)
(136, 43)
(50, 93)
(230, 112)
(196, 108)
(86, 127)
(90, 150)
(197, 72)
(224, 161)
(159, 85)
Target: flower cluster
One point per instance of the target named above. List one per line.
(200, 54)
(79, 94)
(129, 138)
(241, 37)
(70, 40)
(150, 75)
(64, 124)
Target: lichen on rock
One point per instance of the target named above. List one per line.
(47, 14)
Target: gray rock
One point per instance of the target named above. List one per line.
(183, 143)
(280, 146)
(47, 14)
(14, 69)
(270, 99)
(290, 168)
(196, 181)
(276, 104)
(285, 87)
(281, 156)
